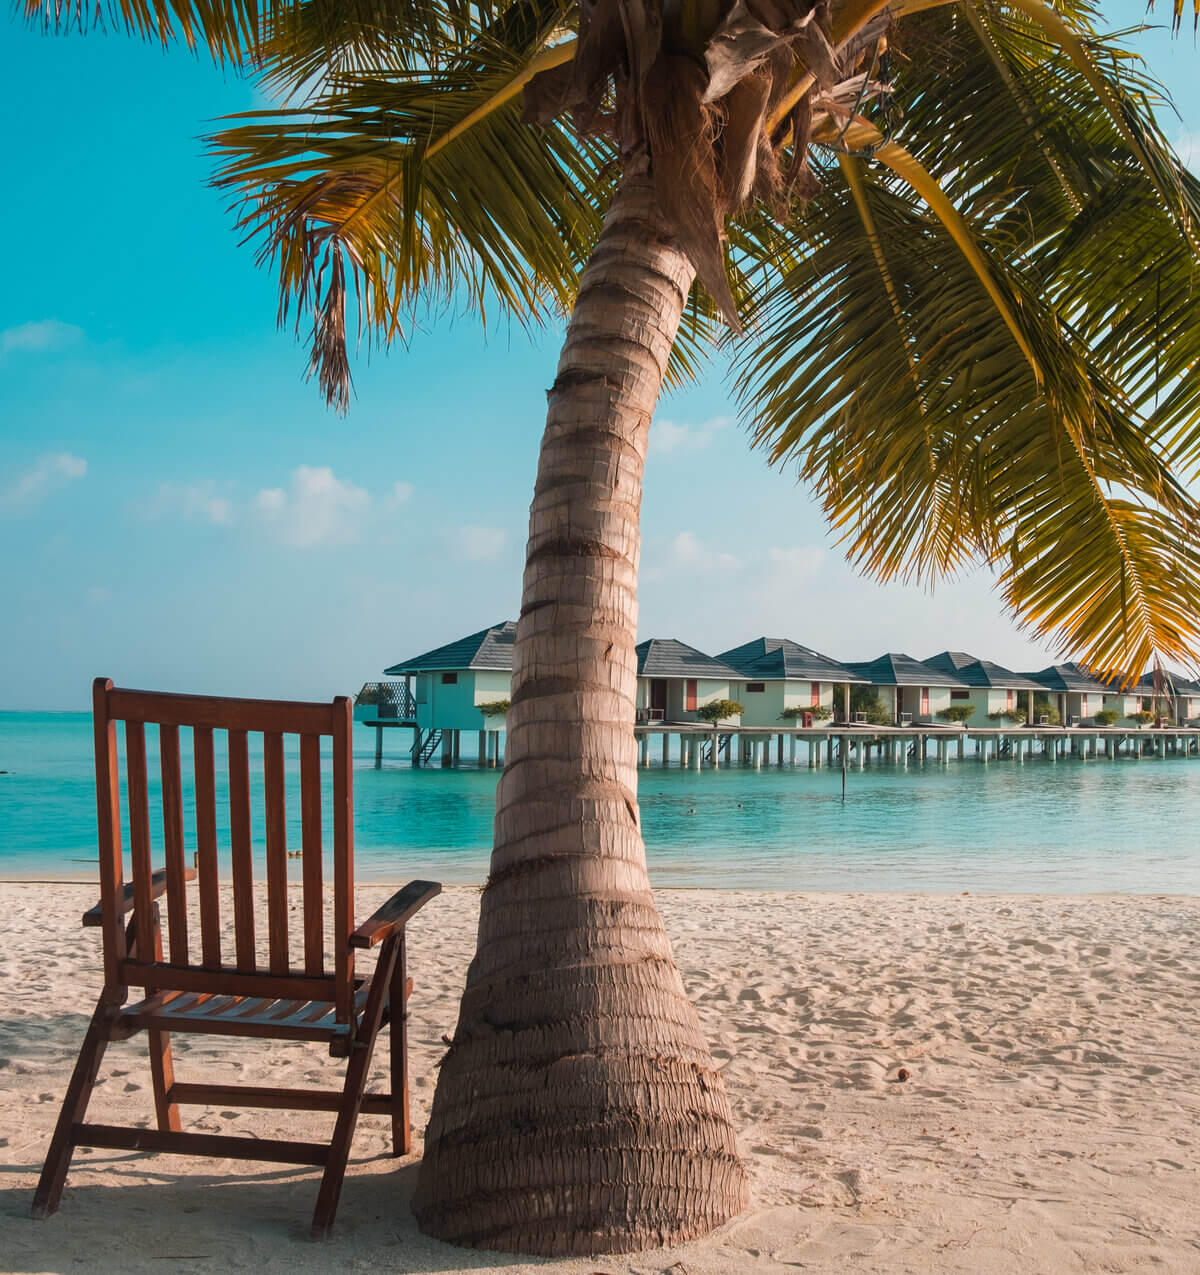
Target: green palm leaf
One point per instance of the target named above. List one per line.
(942, 425)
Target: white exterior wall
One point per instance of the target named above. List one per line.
(939, 698)
(707, 690)
(765, 707)
(453, 707)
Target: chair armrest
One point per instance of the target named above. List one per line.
(394, 913)
(158, 885)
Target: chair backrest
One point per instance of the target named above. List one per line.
(205, 967)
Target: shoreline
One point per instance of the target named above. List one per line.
(373, 883)
(1047, 1124)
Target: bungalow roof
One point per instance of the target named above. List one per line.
(771, 659)
(1172, 681)
(897, 669)
(490, 648)
(668, 657)
(1070, 677)
(977, 672)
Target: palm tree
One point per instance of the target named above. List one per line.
(958, 258)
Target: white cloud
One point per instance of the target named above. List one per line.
(669, 436)
(796, 561)
(204, 500)
(481, 544)
(402, 493)
(39, 337)
(692, 554)
(318, 509)
(51, 472)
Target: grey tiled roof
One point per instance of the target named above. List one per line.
(771, 659)
(1069, 677)
(668, 657)
(896, 669)
(490, 648)
(1174, 682)
(976, 672)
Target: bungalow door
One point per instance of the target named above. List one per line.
(658, 699)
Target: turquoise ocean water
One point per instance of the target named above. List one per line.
(1129, 826)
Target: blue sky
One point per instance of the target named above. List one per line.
(178, 509)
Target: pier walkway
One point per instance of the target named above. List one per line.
(695, 745)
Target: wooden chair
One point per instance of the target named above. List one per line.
(209, 994)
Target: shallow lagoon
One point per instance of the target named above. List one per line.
(1129, 826)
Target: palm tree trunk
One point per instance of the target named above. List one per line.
(578, 1109)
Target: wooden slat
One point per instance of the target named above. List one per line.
(206, 848)
(239, 845)
(220, 714)
(122, 1138)
(343, 857)
(374, 1104)
(108, 822)
(277, 903)
(226, 982)
(310, 808)
(139, 839)
(172, 801)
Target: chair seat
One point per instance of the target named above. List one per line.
(242, 1015)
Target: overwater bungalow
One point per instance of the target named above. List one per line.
(675, 681)
(1174, 697)
(911, 691)
(992, 688)
(1074, 690)
(452, 684)
(781, 676)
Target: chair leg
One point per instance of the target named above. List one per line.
(162, 1077)
(398, 991)
(352, 1094)
(75, 1104)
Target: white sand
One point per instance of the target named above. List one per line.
(1050, 1123)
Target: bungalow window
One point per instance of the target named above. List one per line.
(815, 698)
(960, 694)
(690, 695)
(1009, 699)
(1083, 706)
(449, 679)
(924, 701)
(753, 687)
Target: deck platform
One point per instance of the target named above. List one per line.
(694, 745)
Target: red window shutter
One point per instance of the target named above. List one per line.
(1008, 699)
(690, 692)
(816, 694)
(924, 701)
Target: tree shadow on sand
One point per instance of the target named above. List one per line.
(131, 1213)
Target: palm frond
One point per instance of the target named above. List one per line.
(896, 360)
(411, 187)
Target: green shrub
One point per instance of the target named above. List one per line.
(1014, 715)
(1145, 716)
(719, 709)
(1043, 708)
(958, 713)
(1107, 717)
(494, 707)
(818, 712)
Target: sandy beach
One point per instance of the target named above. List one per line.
(1048, 1122)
